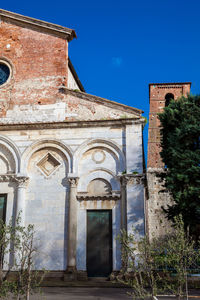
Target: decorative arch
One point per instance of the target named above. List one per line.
(99, 186)
(98, 174)
(95, 143)
(44, 143)
(13, 151)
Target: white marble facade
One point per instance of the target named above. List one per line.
(35, 171)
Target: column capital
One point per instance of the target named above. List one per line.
(73, 179)
(22, 181)
(131, 179)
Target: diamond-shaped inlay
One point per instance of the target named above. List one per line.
(48, 164)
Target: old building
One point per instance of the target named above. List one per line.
(70, 162)
(160, 95)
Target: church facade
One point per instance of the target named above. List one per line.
(71, 163)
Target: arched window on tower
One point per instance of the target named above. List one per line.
(168, 98)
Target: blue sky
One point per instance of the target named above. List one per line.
(122, 46)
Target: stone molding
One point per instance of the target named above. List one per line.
(21, 181)
(115, 195)
(70, 124)
(131, 179)
(7, 178)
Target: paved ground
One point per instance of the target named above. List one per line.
(92, 293)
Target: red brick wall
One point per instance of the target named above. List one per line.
(157, 93)
(39, 63)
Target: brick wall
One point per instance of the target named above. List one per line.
(39, 63)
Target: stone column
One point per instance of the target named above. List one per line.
(72, 224)
(22, 182)
(123, 183)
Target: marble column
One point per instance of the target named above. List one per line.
(123, 183)
(72, 224)
(22, 182)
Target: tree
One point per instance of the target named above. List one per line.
(28, 279)
(140, 258)
(180, 258)
(180, 142)
(158, 265)
(19, 242)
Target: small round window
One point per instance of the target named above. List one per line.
(4, 72)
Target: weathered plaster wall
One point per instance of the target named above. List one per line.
(66, 108)
(72, 84)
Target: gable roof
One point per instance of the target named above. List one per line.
(102, 101)
(64, 32)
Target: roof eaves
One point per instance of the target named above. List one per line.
(70, 33)
(171, 83)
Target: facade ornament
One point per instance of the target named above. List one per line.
(7, 177)
(89, 197)
(22, 181)
(131, 179)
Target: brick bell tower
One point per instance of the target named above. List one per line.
(160, 95)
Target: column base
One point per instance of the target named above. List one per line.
(71, 274)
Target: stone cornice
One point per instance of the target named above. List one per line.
(89, 197)
(74, 124)
(7, 178)
(61, 31)
(22, 181)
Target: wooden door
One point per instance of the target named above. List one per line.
(99, 243)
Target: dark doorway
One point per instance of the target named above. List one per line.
(3, 202)
(99, 243)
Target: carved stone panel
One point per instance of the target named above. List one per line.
(48, 164)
